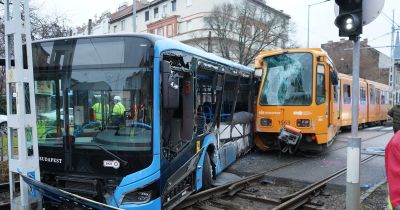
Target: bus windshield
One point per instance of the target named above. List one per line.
(288, 80)
(94, 91)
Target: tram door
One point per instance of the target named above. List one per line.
(334, 101)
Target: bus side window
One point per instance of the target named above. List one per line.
(205, 97)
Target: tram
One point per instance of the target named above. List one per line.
(136, 121)
(303, 102)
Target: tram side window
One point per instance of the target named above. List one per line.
(378, 95)
(383, 96)
(320, 97)
(363, 96)
(346, 94)
(372, 95)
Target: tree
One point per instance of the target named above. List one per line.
(240, 31)
(42, 27)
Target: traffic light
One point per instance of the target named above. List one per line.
(349, 21)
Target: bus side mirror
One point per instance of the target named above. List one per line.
(334, 77)
(170, 87)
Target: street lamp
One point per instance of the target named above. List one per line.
(308, 21)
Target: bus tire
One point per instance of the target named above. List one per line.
(207, 173)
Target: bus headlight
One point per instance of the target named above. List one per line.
(266, 122)
(303, 123)
(142, 195)
(136, 197)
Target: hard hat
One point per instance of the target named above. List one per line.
(117, 98)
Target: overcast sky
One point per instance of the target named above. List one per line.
(322, 28)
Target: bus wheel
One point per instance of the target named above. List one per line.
(207, 172)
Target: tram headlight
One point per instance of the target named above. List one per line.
(303, 123)
(265, 122)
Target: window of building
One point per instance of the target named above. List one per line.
(346, 94)
(164, 12)
(152, 31)
(115, 29)
(188, 3)
(188, 25)
(160, 31)
(146, 16)
(169, 30)
(122, 25)
(173, 3)
(156, 12)
(321, 93)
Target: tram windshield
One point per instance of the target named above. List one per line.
(288, 80)
(94, 92)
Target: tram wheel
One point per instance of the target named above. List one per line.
(207, 172)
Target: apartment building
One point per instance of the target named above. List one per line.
(182, 20)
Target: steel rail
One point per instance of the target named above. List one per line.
(220, 190)
(301, 195)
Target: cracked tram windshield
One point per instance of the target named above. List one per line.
(288, 80)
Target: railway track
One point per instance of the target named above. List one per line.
(292, 201)
(223, 195)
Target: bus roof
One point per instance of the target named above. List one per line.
(164, 44)
(169, 44)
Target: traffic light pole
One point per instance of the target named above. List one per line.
(354, 143)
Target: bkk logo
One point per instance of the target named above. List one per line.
(111, 164)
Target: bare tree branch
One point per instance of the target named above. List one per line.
(42, 27)
(241, 31)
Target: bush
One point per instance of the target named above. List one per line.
(3, 105)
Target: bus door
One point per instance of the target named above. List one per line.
(179, 155)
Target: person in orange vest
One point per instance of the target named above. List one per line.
(392, 166)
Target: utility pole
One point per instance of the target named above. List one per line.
(209, 42)
(21, 107)
(351, 17)
(134, 16)
(392, 68)
(90, 27)
(354, 143)
(308, 20)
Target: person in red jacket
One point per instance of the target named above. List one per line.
(392, 165)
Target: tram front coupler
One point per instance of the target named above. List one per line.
(290, 136)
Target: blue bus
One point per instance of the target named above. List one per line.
(136, 121)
